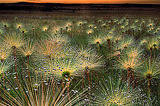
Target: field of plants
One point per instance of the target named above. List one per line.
(100, 58)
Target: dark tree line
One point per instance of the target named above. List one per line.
(72, 7)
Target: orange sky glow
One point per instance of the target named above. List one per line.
(86, 1)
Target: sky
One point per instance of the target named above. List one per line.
(86, 1)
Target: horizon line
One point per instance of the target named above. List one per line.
(83, 3)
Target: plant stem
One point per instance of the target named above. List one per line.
(53, 82)
(42, 102)
(98, 46)
(3, 76)
(133, 33)
(66, 29)
(109, 44)
(28, 69)
(128, 77)
(117, 44)
(62, 86)
(68, 89)
(61, 30)
(133, 79)
(54, 104)
(23, 34)
(88, 78)
(15, 58)
(82, 83)
(33, 32)
(149, 85)
(151, 53)
(89, 84)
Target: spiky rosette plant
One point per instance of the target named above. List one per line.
(45, 28)
(129, 61)
(56, 30)
(116, 39)
(44, 93)
(80, 23)
(116, 53)
(158, 29)
(15, 41)
(59, 39)
(96, 40)
(48, 48)
(5, 51)
(152, 44)
(143, 41)
(91, 25)
(111, 91)
(65, 69)
(27, 50)
(150, 25)
(84, 51)
(68, 26)
(104, 25)
(69, 23)
(99, 21)
(125, 42)
(4, 67)
(89, 62)
(149, 101)
(47, 65)
(149, 71)
(123, 28)
(133, 28)
(23, 30)
(108, 38)
(46, 61)
(116, 50)
(18, 25)
(5, 25)
(89, 31)
(2, 31)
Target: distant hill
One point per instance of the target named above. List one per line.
(28, 6)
